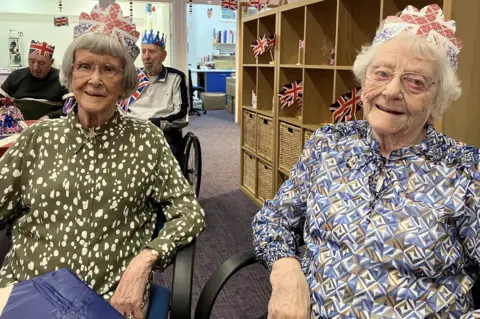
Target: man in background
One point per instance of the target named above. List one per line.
(36, 89)
(162, 95)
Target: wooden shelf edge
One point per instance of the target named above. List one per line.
(252, 197)
(344, 67)
(292, 66)
(259, 15)
(249, 108)
(314, 127)
(265, 160)
(290, 120)
(249, 151)
(298, 4)
(265, 65)
(266, 113)
(284, 172)
(250, 65)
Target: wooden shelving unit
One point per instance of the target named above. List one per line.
(343, 25)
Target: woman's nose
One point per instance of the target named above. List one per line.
(393, 90)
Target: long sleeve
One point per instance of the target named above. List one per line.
(7, 85)
(469, 228)
(11, 175)
(178, 118)
(184, 216)
(279, 221)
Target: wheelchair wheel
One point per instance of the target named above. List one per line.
(192, 161)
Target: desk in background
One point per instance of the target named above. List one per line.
(212, 80)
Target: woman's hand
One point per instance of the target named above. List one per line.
(290, 292)
(128, 296)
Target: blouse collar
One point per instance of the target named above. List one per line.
(91, 133)
(429, 147)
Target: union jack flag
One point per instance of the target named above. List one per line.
(143, 83)
(301, 44)
(346, 106)
(230, 4)
(271, 42)
(42, 49)
(291, 93)
(60, 21)
(260, 46)
(259, 4)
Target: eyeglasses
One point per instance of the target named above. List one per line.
(106, 70)
(414, 83)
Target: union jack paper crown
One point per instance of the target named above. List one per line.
(428, 23)
(110, 21)
(42, 49)
(156, 40)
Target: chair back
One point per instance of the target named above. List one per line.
(160, 222)
(190, 89)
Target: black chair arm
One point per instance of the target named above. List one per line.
(219, 279)
(181, 300)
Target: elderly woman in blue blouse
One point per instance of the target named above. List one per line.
(388, 206)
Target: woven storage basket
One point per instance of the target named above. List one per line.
(249, 172)
(290, 146)
(308, 134)
(249, 130)
(264, 136)
(265, 181)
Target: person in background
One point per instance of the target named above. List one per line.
(162, 94)
(83, 191)
(388, 208)
(36, 89)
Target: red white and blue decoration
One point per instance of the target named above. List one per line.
(150, 38)
(346, 106)
(428, 23)
(291, 93)
(264, 44)
(230, 4)
(42, 49)
(60, 21)
(143, 83)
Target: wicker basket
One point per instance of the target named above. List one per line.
(265, 181)
(264, 136)
(290, 146)
(249, 172)
(308, 134)
(249, 130)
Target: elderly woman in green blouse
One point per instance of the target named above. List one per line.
(81, 191)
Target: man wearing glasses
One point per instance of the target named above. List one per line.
(36, 89)
(162, 95)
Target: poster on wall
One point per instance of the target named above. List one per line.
(14, 42)
(227, 15)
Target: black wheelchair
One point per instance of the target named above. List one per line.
(190, 161)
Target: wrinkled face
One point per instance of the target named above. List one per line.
(97, 81)
(39, 66)
(399, 89)
(153, 57)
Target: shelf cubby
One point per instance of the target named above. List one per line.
(292, 31)
(288, 75)
(320, 32)
(266, 25)
(249, 84)
(281, 178)
(345, 81)
(266, 89)
(317, 96)
(357, 23)
(249, 176)
(250, 29)
(392, 7)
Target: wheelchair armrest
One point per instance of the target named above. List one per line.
(181, 300)
(219, 279)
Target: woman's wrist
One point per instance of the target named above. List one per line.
(148, 255)
(286, 263)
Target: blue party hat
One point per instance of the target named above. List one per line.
(155, 40)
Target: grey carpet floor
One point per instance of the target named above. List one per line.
(229, 215)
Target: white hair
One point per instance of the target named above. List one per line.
(99, 43)
(449, 88)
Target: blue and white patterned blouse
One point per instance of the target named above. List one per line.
(385, 238)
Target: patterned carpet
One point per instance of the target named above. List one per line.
(229, 215)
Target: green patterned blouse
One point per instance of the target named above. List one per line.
(85, 199)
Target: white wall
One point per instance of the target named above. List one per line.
(35, 19)
(200, 32)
